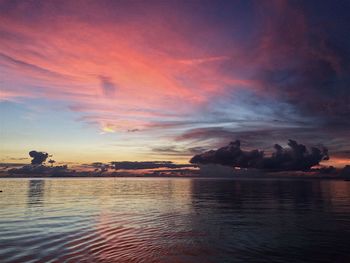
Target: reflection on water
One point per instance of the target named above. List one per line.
(174, 220)
(35, 192)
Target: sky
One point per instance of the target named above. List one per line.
(105, 81)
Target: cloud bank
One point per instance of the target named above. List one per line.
(38, 157)
(294, 158)
(147, 165)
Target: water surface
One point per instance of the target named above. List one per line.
(174, 220)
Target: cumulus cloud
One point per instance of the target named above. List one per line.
(38, 157)
(295, 157)
(37, 166)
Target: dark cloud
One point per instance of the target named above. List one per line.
(147, 165)
(255, 137)
(133, 130)
(61, 170)
(196, 150)
(181, 151)
(262, 138)
(38, 157)
(108, 87)
(306, 58)
(296, 157)
(51, 162)
(100, 167)
(345, 172)
(299, 62)
(200, 134)
(5, 59)
(167, 149)
(5, 166)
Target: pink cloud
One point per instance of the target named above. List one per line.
(127, 66)
(64, 57)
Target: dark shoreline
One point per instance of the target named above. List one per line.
(188, 176)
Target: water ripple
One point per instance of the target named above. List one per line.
(174, 220)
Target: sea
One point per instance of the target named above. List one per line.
(174, 220)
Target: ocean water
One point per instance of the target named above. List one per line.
(174, 220)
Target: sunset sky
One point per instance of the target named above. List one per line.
(163, 80)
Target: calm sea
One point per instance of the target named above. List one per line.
(174, 220)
